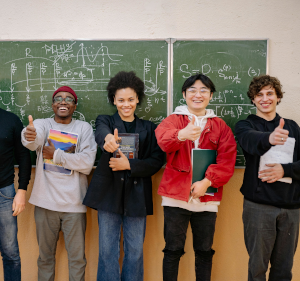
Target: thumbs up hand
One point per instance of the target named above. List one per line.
(119, 164)
(279, 135)
(112, 142)
(49, 150)
(30, 132)
(190, 132)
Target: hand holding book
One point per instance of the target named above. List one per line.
(199, 188)
(119, 164)
(49, 150)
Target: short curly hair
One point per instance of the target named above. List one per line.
(123, 80)
(261, 81)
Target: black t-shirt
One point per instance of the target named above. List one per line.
(130, 126)
(130, 129)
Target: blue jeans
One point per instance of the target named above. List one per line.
(8, 236)
(109, 247)
(271, 234)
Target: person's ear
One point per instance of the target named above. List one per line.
(184, 93)
(211, 95)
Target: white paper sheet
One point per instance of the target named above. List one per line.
(282, 154)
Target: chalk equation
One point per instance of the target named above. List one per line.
(32, 71)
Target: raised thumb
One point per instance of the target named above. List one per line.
(281, 123)
(30, 119)
(193, 120)
(116, 134)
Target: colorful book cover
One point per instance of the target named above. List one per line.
(64, 141)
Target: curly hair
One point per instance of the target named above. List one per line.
(261, 81)
(124, 80)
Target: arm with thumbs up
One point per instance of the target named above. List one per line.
(275, 170)
(30, 131)
(190, 132)
(279, 135)
(112, 142)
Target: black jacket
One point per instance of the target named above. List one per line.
(253, 136)
(105, 190)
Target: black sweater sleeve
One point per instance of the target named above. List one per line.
(22, 156)
(252, 141)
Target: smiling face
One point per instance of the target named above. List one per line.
(197, 98)
(63, 111)
(126, 100)
(266, 101)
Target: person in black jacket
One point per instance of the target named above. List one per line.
(271, 185)
(121, 188)
(11, 204)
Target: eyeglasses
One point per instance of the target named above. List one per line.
(202, 92)
(68, 100)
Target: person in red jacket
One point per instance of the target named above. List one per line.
(193, 126)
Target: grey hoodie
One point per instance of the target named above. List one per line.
(55, 191)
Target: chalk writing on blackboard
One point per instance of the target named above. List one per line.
(37, 69)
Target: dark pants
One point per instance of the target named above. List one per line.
(271, 234)
(176, 221)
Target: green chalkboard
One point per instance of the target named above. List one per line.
(30, 71)
(231, 65)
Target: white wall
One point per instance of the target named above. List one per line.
(110, 19)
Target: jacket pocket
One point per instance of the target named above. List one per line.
(181, 168)
(214, 141)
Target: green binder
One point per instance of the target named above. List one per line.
(201, 159)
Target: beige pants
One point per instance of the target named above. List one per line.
(48, 225)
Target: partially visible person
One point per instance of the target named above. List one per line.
(11, 204)
(121, 188)
(193, 126)
(271, 204)
(58, 197)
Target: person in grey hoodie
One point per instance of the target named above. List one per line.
(58, 197)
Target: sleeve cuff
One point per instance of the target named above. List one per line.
(265, 141)
(287, 169)
(57, 156)
(209, 180)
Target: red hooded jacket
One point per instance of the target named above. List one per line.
(177, 178)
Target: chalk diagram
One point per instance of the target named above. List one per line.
(81, 65)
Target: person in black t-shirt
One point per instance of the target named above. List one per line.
(121, 188)
(11, 204)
